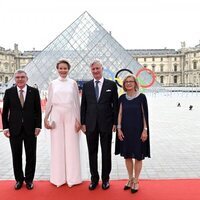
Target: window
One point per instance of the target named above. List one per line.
(6, 79)
(161, 59)
(161, 68)
(194, 79)
(175, 79)
(153, 68)
(6, 64)
(195, 65)
(175, 67)
(162, 79)
(174, 58)
(144, 59)
(153, 59)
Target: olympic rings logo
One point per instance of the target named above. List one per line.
(141, 82)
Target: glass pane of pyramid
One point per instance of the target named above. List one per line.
(82, 42)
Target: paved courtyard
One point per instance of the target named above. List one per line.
(175, 143)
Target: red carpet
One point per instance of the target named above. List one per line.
(178, 189)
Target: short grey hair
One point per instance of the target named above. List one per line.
(20, 71)
(96, 61)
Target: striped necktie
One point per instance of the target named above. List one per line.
(21, 97)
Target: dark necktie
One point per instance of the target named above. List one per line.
(97, 89)
(21, 97)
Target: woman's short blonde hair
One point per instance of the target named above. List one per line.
(135, 80)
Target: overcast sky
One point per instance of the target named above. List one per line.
(135, 24)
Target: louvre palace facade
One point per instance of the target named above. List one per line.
(11, 60)
(172, 67)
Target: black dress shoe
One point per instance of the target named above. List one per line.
(105, 185)
(93, 185)
(18, 185)
(135, 186)
(128, 184)
(29, 185)
(126, 187)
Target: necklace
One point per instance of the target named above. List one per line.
(132, 97)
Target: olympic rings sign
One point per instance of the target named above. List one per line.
(142, 84)
(116, 76)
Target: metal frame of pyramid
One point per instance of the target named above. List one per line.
(82, 42)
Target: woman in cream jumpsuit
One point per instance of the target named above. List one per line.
(63, 108)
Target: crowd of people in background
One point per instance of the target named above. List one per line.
(190, 106)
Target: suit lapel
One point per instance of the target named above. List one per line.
(28, 93)
(92, 89)
(103, 89)
(15, 93)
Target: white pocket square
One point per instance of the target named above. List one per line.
(108, 90)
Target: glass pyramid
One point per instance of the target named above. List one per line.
(82, 42)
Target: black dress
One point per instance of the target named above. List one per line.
(132, 126)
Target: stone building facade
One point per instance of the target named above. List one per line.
(11, 60)
(172, 68)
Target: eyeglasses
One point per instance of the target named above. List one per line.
(18, 77)
(95, 68)
(127, 82)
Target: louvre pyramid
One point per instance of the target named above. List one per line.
(82, 42)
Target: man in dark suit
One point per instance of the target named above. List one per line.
(99, 108)
(21, 124)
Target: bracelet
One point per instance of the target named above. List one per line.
(145, 129)
(118, 126)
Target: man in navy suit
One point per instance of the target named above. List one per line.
(21, 124)
(99, 109)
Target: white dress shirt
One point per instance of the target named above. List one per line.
(24, 91)
(100, 84)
